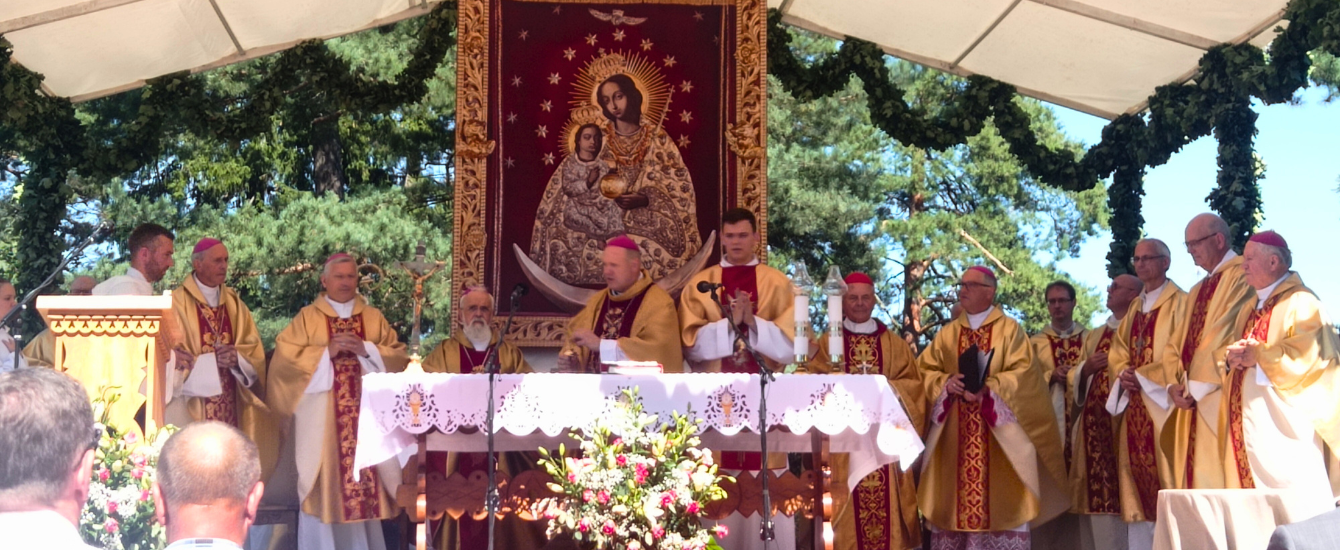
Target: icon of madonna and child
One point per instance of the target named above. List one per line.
(623, 174)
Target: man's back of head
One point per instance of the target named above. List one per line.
(46, 442)
(208, 483)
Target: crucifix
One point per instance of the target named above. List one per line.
(419, 270)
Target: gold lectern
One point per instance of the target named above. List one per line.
(119, 343)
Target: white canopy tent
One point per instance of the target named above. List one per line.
(1103, 57)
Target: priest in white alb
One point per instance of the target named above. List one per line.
(316, 379)
(150, 249)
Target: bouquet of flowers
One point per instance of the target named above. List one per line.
(119, 513)
(639, 484)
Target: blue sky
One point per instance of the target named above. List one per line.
(1300, 145)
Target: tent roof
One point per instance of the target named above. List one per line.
(1103, 57)
(92, 48)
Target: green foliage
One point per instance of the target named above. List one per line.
(275, 256)
(1326, 72)
(1178, 114)
(842, 192)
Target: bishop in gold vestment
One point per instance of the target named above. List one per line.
(1207, 323)
(226, 381)
(993, 466)
(316, 380)
(1279, 413)
(880, 513)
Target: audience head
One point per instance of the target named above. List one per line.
(9, 297)
(208, 483)
(1151, 261)
(476, 314)
(82, 285)
(1265, 259)
(1207, 240)
(340, 277)
(1125, 288)
(858, 304)
(739, 235)
(977, 289)
(622, 263)
(47, 439)
(150, 249)
(1060, 301)
(209, 261)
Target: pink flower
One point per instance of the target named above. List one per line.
(111, 507)
(640, 475)
(111, 526)
(588, 495)
(130, 438)
(657, 532)
(634, 545)
(603, 497)
(721, 531)
(103, 475)
(572, 477)
(137, 473)
(621, 460)
(693, 508)
(617, 442)
(145, 496)
(608, 528)
(667, 498)
(584, 525)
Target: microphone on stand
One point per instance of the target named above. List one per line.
(518, 291)
(705, 287)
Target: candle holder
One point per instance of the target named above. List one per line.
(802, 286)
(834, 287)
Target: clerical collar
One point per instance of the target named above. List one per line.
(1113, 322)
(868, 327)
(618, 293)
(211, 293)
(1067, 332)
(1150, 297)
(1227, 256)
(345, 310)
(725, 263)
(975, 320)
(135, 274)
(1263, 294)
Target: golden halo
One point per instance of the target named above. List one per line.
(644, 73)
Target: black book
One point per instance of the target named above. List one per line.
(970, 365)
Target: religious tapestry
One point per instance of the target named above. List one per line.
(578, 122)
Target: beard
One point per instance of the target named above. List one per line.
(478, 331)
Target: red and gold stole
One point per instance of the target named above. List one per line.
(216, 328)
(615, 321)
(1194, 331)
(1258, 327)
(736, 278)
(974, 510)
(472, 359)
(1140, 445)
(1100, 440)
(871, 497)
(1066, 351)
(359, 498)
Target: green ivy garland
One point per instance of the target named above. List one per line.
(44, 133)
(1219, 100)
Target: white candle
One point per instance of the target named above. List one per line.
(802, 344)
(802, 308)
(834, 312)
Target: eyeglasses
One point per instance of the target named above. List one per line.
(1194, 242)
(1140, 259)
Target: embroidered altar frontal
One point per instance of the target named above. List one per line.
(581, 121)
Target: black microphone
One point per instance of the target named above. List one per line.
(705, 287)
(518, 291)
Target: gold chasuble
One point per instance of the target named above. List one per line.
(642, 320)
(1206, 323)
(1299, 356)
(1094, 485)
(332, 493)
(1138, 344)
(881, 512)
(456, 355)
(41, 352)
(203, 327)
(768, 289)
(1051, 350)
(990, 467)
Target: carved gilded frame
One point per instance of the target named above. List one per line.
(746, 138)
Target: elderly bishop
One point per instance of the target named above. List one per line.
(880, 513)
(1278, 413)
(993, 468)
(316, 379)
(226, 382)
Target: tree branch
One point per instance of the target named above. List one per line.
(988, 253)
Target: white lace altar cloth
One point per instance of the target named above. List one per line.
(860, 413)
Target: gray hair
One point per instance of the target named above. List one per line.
(1218, 225)
(206, 462)
(1159, 245)
(46, 426)
(479, 288)
(1286, 257)
(342, 259)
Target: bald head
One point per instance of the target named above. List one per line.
(1207, 240)
(208, 463)
(82, 285)
(1123, 290)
